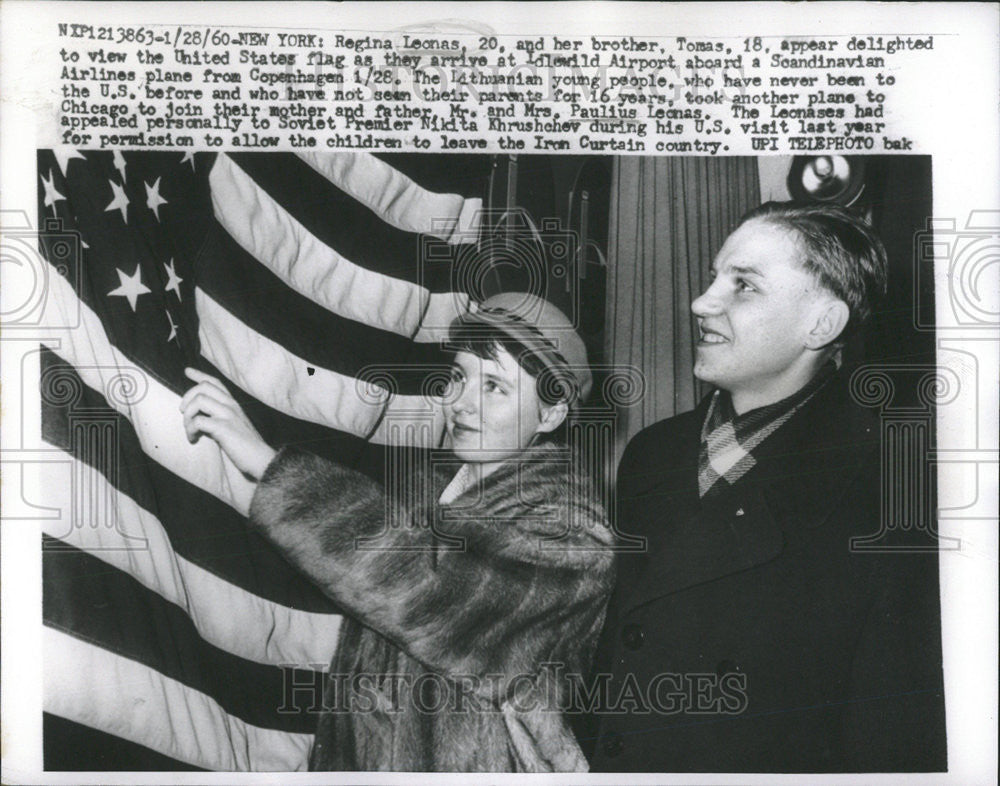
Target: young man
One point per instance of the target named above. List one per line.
(749, 636)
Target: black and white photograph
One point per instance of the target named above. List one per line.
(634, 456)
(419, 579)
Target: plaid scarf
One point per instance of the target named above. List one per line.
(728, 440)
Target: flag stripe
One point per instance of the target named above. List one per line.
(97, 688)
(262, 301)
(464, 174)
(154, 410)
(135, 542)
(273, 375)
(161, 636)
(278, 429)
(198, 609)
(227, 548)
(266, 230)
(396, 199)
(337, 220)
(73, 747)
(88, 347)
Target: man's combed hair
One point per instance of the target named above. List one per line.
(839, 248)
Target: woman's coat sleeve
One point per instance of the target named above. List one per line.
(493, 597)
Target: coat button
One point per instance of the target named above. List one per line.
(725, 667)
(612, 745)
(632, 636)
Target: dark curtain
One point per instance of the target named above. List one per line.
(669, 217)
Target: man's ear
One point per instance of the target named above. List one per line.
(551, 416)
(831, 316)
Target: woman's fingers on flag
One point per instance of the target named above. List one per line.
(207, 390)
(200, 376)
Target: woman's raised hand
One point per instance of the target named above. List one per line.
(208, 408)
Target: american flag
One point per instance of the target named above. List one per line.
(174, 638)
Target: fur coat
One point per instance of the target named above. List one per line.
(460, 616)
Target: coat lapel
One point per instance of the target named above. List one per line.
(705, 543)
(801, 470)
(807, 464)
(690, 542)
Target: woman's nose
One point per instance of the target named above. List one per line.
(464, 398)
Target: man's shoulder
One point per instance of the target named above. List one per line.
(678, 427)
(656, 433)
(662, 449)
(836, 417)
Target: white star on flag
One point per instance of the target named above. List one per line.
(189, 156)
(120, 202)
(51, 195)
(131, 286)
(153, 198)
(64, 154)
(120, 163)
(173, 328)
(173, 488)
(173, 280)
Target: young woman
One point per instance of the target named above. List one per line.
(467, 615)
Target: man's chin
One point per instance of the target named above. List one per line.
(703, 372)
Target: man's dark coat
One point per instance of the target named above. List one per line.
(814, 657)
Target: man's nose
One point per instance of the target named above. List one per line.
(707, 303)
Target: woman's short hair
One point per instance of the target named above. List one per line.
(537, 334)
(487, 341)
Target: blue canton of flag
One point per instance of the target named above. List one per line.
(174, 637)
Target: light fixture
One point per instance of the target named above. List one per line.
(833, 179)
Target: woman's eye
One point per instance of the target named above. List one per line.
(744, 286)
(492, 387)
